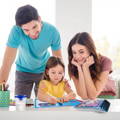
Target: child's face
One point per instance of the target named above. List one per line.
(56, 74)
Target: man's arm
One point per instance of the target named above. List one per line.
(57, 53)
(9, 57)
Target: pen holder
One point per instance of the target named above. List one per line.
(4, 98)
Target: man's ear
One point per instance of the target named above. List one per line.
(39, 19)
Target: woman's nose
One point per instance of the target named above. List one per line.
(78, 57)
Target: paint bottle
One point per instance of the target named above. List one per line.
(20, 102)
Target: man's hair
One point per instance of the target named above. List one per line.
(26, 14)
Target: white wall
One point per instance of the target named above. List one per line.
(72, 16)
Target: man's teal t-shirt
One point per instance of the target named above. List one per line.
(33, 54)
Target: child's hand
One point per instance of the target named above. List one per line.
(63, 99)
(60, 100)
(70, 96)
(66, 98)
(52, 100)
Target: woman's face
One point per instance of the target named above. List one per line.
(80, 53)
(56, 74)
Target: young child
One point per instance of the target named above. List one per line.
(53, 87)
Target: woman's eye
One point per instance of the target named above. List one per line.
(81, 52)
(74, 53)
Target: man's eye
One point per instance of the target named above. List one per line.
(34, 27)
(25, 30)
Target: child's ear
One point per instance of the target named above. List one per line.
(47, 71)
(39, 19)
(63, 75)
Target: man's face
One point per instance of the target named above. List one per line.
(32, 28)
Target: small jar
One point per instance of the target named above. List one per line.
(20, 102)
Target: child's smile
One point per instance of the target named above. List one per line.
(56, 74)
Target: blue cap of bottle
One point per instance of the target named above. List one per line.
(21, 97)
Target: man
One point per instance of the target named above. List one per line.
(31, 37)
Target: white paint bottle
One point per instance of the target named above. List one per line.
(20, 102)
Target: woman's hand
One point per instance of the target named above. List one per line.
(89, 61)
(77, 64)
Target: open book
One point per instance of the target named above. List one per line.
(94, 105)
(39, 104)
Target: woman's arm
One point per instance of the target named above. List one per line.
(70, 94)
(43, 96)
(80, 82)
(93, 89)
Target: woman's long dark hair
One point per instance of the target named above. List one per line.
(84, 39)
(52, 62)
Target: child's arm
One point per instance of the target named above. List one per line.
(70, 94)
(43, 96)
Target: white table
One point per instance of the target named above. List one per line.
(61, 113)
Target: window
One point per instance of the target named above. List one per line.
(105, 28)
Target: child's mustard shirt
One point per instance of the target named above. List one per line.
(54, 90)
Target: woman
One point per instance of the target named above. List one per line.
(89, 70)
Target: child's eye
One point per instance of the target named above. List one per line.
(53, 72)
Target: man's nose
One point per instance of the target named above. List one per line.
(31, 32)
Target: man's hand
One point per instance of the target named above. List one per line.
(2, 82)
(3, 87)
